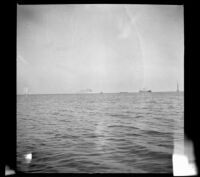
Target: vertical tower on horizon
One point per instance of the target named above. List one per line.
(26, 91)
(177, 90)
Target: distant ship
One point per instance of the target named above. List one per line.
(123, 92)
(145, 91)
(86, 91)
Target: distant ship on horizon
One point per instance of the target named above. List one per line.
(145, 91)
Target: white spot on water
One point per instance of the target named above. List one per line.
(28, 157)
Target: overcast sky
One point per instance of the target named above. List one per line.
(109, 48)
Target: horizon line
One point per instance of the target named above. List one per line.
(91, 93)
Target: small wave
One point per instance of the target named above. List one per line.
(138, 116)
(68, 136)
(116, 115)
(55, 113)
(123, 127)
(158, 133)
(65, 120)
(120, 115)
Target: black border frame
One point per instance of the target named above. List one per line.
(190, 61)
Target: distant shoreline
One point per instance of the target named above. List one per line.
(95, 93)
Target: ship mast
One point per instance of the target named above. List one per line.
(177, 88)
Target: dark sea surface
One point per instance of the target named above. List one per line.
(99, 133)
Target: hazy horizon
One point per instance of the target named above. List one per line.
(95, 93)
(63, 49)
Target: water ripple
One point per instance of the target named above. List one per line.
(102, 133)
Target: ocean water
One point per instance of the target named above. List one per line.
(99, 133)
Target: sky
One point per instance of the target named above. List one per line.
(108, 48)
